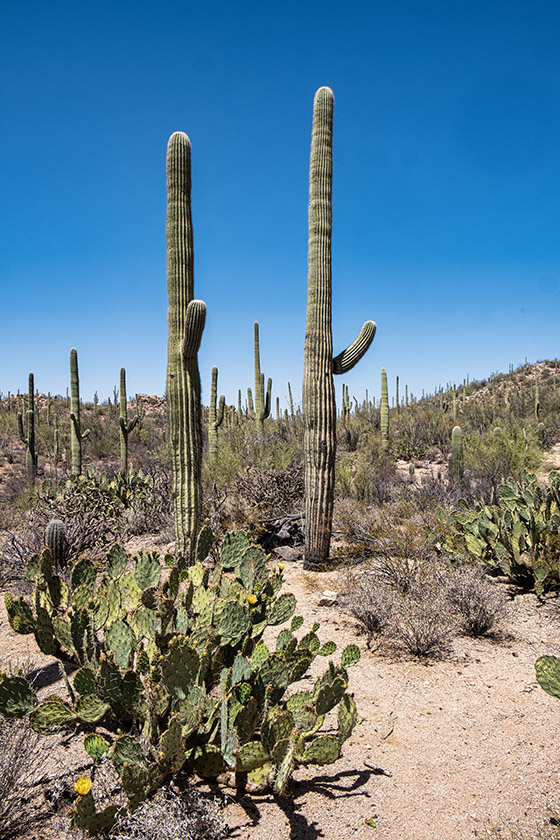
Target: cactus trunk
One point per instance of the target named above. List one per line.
(76, 434)
(125, 425)
(186, 318)
(27, 435)
(384, 410)
(215, 416)
(457, 455)
(319, 406)
(262, 400)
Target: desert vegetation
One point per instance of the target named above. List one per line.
(146, 543)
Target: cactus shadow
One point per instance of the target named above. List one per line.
(47, 675)
(334, 787)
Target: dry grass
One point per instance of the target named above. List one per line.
(21, 806)
(172, 816)
(438, 602)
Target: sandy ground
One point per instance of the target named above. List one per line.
(444, 750)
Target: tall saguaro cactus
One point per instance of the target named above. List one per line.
(76, 434)
(215, 415)
(186, 317)
(27, 435)
(384, 410)
(261, 408)
(456, 463)
(126, 426)
(319, 405)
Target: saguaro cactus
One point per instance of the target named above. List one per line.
(384, 410)
(215, 416)
(76, 434)
(457, 454)
(27, 435)
(125, 425)
(319, 405)
(186, 318)
(261, 409)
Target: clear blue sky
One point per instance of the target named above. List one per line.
(446, 185)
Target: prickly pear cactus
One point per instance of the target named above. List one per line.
(548, 674)
(179, 662)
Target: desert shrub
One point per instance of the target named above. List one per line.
(365, 477)
(502, 450)
(369, 600)
(272, 493)
(418, 620)
(20, 805)
(479, 604)
(544, 830)
(422, 622)
(170, 815)
(395, 538)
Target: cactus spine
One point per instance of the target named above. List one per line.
(457, 454)
(76, 434)
(319, 405)
(215, 416)
(261, 409)
(27, 435)
(384, 410)
(186, 317)
(126, 426)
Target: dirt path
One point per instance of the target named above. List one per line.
(462, 742)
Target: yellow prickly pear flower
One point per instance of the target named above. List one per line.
(251, 599)
(83, 785)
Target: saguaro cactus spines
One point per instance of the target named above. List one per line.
(126, 426)
(319, 405)
(27, 435)
(384, 410)
(76, 434)
(186, 318)
(215, 415)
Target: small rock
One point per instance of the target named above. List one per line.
(328, 598)
(287, 553)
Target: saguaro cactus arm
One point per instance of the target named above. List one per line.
(346, 360)
(195, 319)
